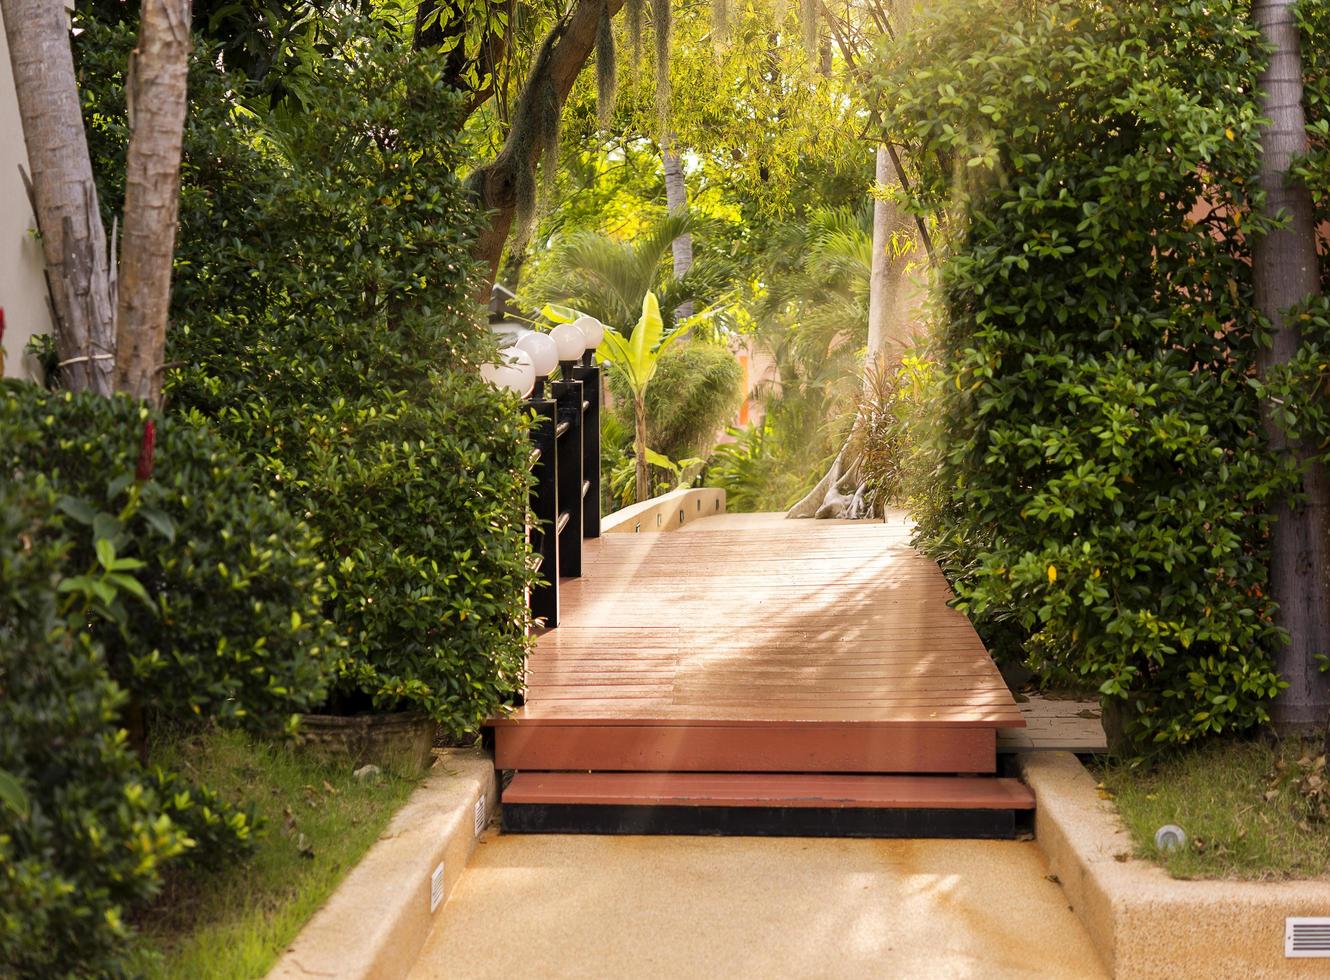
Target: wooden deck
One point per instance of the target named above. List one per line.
(753, 644)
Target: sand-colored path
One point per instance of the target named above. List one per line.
(625, 907)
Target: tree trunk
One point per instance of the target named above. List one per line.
(840, 492)
(159, 69)
(557, 65)
(63, 193)
(643, 487)
(676, 198)
(1285, 273)
(877, 284)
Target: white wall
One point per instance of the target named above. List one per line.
(22, 284)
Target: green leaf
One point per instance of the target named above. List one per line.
(559, 314)
(12, 795)
(160, 522)
(78, 509)
(105, 552)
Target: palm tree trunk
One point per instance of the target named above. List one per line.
(829, 498)
(63, 194)
(158, 72)
(878, 279)
(1285, 274)
(643, 487)
(676, 198)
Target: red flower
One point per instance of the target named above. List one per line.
(144, 470)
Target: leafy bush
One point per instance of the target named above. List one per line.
(892, 402)
(93, 838)
(229, 624)
(1097, 486)
(694, 393)
(325, 323)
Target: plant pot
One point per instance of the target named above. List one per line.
(400, 741)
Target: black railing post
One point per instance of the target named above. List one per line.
(568, 394)
(588, 372)
(545, 510)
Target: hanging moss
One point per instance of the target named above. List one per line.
(634, 17)
(607, 76)
(661, 25)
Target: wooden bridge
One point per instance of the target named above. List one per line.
(750, 674)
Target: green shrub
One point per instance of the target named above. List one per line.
(1094, 477)
(233, 628)
(94, 837)
(325, 324)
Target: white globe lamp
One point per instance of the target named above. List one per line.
(513, 371)
(569, 341)
(592, 330)
(542, 350)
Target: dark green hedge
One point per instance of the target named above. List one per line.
(325, 323)
(93, 839)
(1095, 481)
(235, 629)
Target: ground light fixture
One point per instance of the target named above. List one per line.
(513, 371)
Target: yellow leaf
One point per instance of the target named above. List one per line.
(1052, 574)
(1228, 131)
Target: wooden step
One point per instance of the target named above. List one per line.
(793, 804)
(753, 747)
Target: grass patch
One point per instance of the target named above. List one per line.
(319, 821)
(1251, 809)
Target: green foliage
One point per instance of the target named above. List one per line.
(231, 922)
(891, 408)
(325, 325)
(219, 831)
(1096, 484)
(92, 838)
(762, 469)
(209, 592)
(608, 278)
(695, 392)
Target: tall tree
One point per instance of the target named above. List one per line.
(159, 68)
(506, 185)
(676, 198)
(104, 320)
(1285, 271)
(63, 193)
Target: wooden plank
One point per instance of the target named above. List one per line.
(761, 789)
(747, 748)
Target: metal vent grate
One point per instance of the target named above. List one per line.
(436, 888)
(1307, 937)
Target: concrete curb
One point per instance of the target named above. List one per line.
(1144, 923)
(376, 921)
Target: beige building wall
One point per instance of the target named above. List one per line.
(22, 283)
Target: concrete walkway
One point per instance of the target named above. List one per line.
(626, 907)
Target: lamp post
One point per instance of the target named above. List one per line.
(565, 437)
(588, 372)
